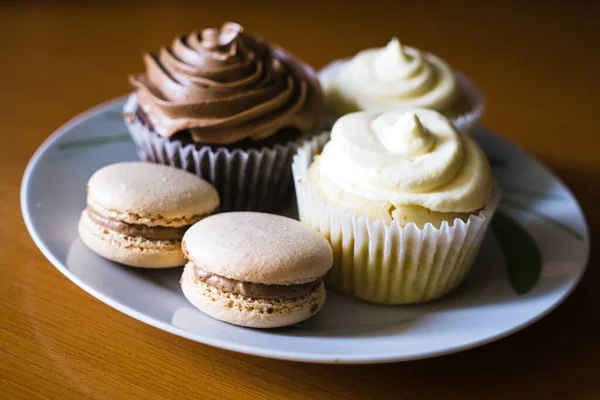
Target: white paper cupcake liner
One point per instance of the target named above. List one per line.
(390, 264)
(467, 121)
(253, 179)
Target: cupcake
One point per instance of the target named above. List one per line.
(405, 200)
(229, 107)
(398, 77)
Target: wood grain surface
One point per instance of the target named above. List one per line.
(538, 64)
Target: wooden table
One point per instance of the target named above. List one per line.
(538, 65)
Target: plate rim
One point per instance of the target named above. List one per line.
(254, 350)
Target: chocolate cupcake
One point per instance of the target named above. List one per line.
(229, 107)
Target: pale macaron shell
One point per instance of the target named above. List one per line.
(150, 194)
(129, 250)
(259, 248)
(248, 312)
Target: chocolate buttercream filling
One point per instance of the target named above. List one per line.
(138, 230)
(256, 290)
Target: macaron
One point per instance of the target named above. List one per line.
(255, 270)
(137, 213)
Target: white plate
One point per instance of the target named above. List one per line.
(540, 217)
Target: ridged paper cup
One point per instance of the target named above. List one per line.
(252, 179)
(466, 121)
(390, 264)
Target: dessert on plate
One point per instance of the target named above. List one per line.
(255, 270)
(228, 106)
(404, 198)
(397, 77)
(137, 212)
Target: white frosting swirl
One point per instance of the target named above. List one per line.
(393, 77)
(410, 157)
(404, 135)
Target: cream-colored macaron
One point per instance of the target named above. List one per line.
(137, 213)
(255, 270)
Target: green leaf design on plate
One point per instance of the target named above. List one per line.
(63, 155)
(114, 115)
(496, 162)
(95, 141)
(71, 148)
(533, 211)
(521, 253)
(507, 189)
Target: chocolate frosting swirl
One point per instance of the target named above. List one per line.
(224, 86)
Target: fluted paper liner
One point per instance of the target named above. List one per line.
(389, 264)
(253, 179)
(467, 121)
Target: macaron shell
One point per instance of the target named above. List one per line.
(129, 250)
(259, 248)
(139, 189)
(252, 313)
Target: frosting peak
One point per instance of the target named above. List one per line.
(390, 63)
(213, 38)
(223, 85)
(403, 134)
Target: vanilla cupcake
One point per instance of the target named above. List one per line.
(405, 200)
(228, 106)
(399, 77)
